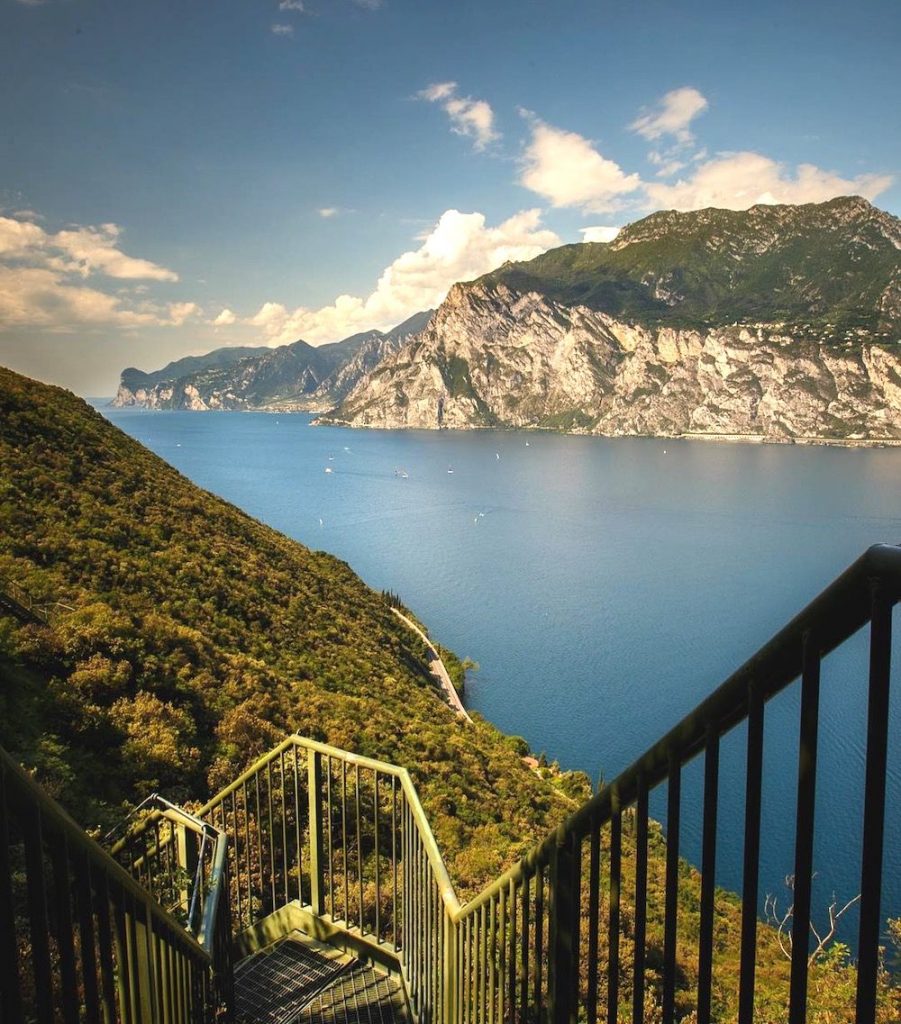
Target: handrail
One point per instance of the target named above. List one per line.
(836, 614)
(344, 839)
(515, 947)
(80, 938)
(98, 857)
(448, 893)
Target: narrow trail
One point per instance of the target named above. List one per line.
(438, 669)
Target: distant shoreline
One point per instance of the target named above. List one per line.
(828, 442)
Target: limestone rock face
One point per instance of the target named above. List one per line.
(492, 357)
(775, 323)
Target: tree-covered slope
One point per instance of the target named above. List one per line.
(832, 266)
(197, 637)
(193, 638)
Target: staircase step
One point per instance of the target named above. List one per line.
(274, 985)
(360, 995)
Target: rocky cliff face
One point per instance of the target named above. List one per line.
(657, 347)
(288, 378)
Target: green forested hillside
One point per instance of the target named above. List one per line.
(194, 638)
(829, 268)
(197, 637)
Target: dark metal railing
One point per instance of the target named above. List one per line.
(82, 939)
(307, 822)
(315, 837)
(344, 839)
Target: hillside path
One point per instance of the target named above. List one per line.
(438, 669)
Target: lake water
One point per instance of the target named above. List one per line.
(605, 587)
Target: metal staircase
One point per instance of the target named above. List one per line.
(312, 888)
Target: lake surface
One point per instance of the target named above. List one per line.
(604, 586)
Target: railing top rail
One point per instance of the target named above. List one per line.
(830, 619)
(430, 844)
(78, 839)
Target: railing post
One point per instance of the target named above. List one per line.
(186, 852)
(563, 952)
(450, 966)
(317, 850)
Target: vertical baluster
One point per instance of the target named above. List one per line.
(10, 995)
(804, 825)
(539, 939)
(524, 939)
(502, 956)
(641, 899)
(65, 932)
(331, 854)
(483, 962)
(467, 972)
(247, 864)
(594, 900)
(345, 842)
(512, 976)
(233, 854)
(358, 794)
(375, 831)
(85, 916)
(708, 874)
(672, 889)
(874, 803)
(394, 908)
(317, 854)
(492, 959)
(105, 948)
(281, 758)
(273, 882)
(261, 854)
(298, 841)
(613, 921)
(751, 870)
(36, 892)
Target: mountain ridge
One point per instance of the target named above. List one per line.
(292, 377)
(775, 323)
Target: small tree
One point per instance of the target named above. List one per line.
(782, 922)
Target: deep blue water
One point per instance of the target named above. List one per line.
(605, 587)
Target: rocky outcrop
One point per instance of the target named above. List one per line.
(639, 358)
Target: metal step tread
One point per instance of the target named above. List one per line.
(360, 995)
(274, 985)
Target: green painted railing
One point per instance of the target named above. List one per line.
(345, 841)
(315, 837)
(81, 939)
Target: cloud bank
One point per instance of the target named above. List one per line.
(569, 171)
(458, 248)
(43, 275)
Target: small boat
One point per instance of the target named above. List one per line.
(328, 469)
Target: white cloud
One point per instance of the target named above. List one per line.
(77, 250)
(469, 117)
(280, 29)
(458, 248)
(672, 116)
(38, 297)
(179, 312)
(369, 5)
(735, 181)
(43, 274)
(328, 211)
(599, 234)
(567, 170)
(225, 319)
(292, 5)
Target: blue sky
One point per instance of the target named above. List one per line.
(177, 175)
